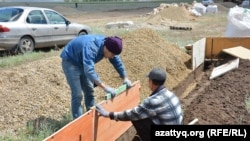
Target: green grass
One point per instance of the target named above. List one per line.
(37, 130)
(10, 61)
(177, 37)
(247, 101)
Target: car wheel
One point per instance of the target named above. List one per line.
(82, 33)
(26, 45)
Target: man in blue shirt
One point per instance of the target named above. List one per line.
(162, 107)
(78, 63)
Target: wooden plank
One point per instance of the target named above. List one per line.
(109, 129)
(77, 130)
(92, 127)
(220, 70)
(238, 51)
(198, 53)
(215, 45)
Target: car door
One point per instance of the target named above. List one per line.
(62, 32)
(39, 28)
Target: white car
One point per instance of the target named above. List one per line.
(22, 29)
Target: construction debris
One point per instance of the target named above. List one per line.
(220, 70)
(180, 28)
(119, 24)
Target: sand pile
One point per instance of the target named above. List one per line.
(32, 90)
(170, 13)
(39, 89)
(145, 49)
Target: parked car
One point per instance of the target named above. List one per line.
(25, 28)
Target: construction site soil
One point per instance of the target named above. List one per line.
(37, 90)
(221, 100)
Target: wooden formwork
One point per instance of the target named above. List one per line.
(214, 45)
(92, 127)
(208, 49)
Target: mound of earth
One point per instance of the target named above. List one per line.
(39, 89)
(170, 13)
(143, 50)
(32, 90)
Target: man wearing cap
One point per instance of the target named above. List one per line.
(78, 63)
(162, 107)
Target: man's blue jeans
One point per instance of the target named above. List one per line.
(78, 83)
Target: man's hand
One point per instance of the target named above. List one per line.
(127, 82)
(102, 111)
(110, 90)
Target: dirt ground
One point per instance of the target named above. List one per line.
(221, 100)
(39, 89)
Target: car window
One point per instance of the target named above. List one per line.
(10, 14)
(54, 18)
(36, 17)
